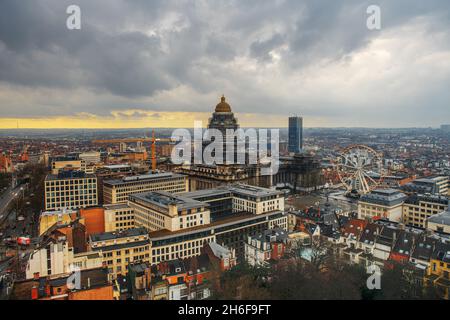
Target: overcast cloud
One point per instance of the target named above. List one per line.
(312, 58)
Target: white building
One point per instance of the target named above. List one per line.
(56, 257)
(256, 200)
(381, 203)
(162, 210)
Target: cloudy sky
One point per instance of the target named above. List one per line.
(147, 63)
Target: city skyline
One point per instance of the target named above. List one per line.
(166, 64)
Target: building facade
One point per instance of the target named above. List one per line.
(70, 190)
(118, 190)
(121, 248)
(162, 210)
(118, 217)
(418, 208)
(381, 203)
(264, 247)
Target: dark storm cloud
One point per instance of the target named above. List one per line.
(138, 50)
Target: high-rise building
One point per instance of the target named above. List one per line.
(295, 144)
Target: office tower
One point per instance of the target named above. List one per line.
(295, 134)
(70, 190)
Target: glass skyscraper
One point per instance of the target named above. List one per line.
(295, 143)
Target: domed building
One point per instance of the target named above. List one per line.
(223, 118)
(206, 176)
(299, 172)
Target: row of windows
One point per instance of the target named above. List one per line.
(181, 250)
(149, 219)
(70, 181)
(70, 205)
(123, 195)
(70, 198)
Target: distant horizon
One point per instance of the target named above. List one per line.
(242, 127)
(133, 64)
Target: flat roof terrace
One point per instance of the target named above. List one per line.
(165, 199)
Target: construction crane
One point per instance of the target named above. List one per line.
(153, 151)
(153, 141)
(131, 140)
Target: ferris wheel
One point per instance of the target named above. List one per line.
(360, 169)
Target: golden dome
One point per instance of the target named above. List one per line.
(222, 106)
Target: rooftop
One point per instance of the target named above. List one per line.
(272, 235)
(386, 197)
(69, 174)
(144, 177)
(441, 218)
(205, 193)
(431, 179)
(416, 198)
(135, 232)
(164, 199)
(58, 212)
(116, 206)
(253, 191)
(117, 166)
(218, 250)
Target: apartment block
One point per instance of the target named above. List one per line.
(121, 248)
